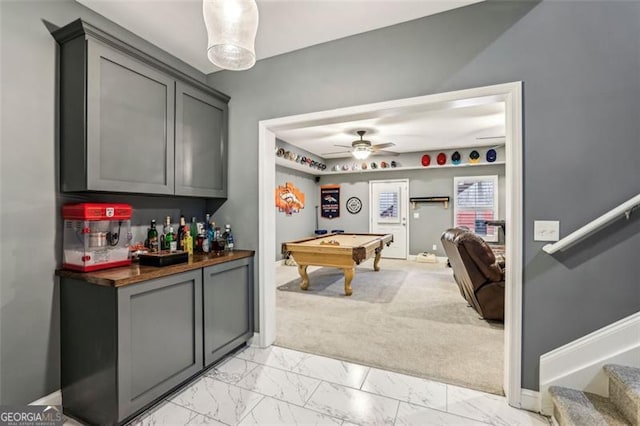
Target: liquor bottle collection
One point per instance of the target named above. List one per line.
(195, 237)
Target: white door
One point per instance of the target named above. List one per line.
(388, 214)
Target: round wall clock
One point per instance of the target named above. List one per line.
(354, 205)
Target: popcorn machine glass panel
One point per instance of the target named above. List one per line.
(96, 236)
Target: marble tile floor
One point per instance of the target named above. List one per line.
(278, 386)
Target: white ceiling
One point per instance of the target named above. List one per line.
(177, 26)
(441, 128)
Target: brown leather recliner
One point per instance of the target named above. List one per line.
(479, 276)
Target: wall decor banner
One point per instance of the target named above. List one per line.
(289, 199)
(330, 201)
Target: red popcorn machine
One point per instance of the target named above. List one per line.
(96, 236)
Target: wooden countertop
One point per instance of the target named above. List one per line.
(118, 277)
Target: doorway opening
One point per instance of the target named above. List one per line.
(511, 95)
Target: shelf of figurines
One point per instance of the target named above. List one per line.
(303, 163)
(353, 168)
(431, 160)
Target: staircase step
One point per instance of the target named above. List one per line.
(576, 408)
(624, 390)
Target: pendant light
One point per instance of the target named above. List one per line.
(231, 29)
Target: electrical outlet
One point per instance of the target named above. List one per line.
(546, 230)
(434, 247)
(416, 215)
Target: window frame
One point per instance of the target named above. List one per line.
(496, 214)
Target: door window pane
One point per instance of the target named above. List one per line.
(388, 207)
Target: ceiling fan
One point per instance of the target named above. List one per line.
(362, 148)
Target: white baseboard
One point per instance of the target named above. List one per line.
(441, 259)
(530, 400)
(254, 340)
(578, 365)
(54, 398)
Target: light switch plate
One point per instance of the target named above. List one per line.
(416, 215)
(546, 230)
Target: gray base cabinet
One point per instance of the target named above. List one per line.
(228, 307)
(159, 338)
(114, 344)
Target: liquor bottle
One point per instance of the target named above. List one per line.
(187, 241)
(193, 228)
(228, 238)
(152, 237)
(211, 235)
(181, 233)
(206, 242)
(206, 248)
(169, 239)
(165, 230)
(219, 242)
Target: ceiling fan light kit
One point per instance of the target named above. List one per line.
(361, 152)
(361, 149)
(231, 28)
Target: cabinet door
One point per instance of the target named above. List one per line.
(201, 143)
(130, 124)
(159, 337)
(228, 307)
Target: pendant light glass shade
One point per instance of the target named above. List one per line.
(231, 27)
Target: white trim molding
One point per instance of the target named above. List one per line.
(530, 400)
(578, 364)
(513, 243)
(54, 398)
(511, 95)
(266, 239)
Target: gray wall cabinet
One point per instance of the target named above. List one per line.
(114, 341)
(123, 115)
(228, 307)
(201, 132)
(129, 124)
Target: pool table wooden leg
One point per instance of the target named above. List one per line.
(348, 276)
(376, 261)
(302, 270)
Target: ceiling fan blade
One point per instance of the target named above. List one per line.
(490, 137)
(383, 152)
(382, 146)
(343, 146)
(337, 152)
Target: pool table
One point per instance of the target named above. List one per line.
(343, 251)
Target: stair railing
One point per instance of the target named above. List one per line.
(623, 209)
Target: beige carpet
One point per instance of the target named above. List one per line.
(419, 326)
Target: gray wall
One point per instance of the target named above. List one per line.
(30, 221)
(434, 218)
(297, 225)
(580, 64)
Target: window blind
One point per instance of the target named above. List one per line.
(388, 210)
(476, 201)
